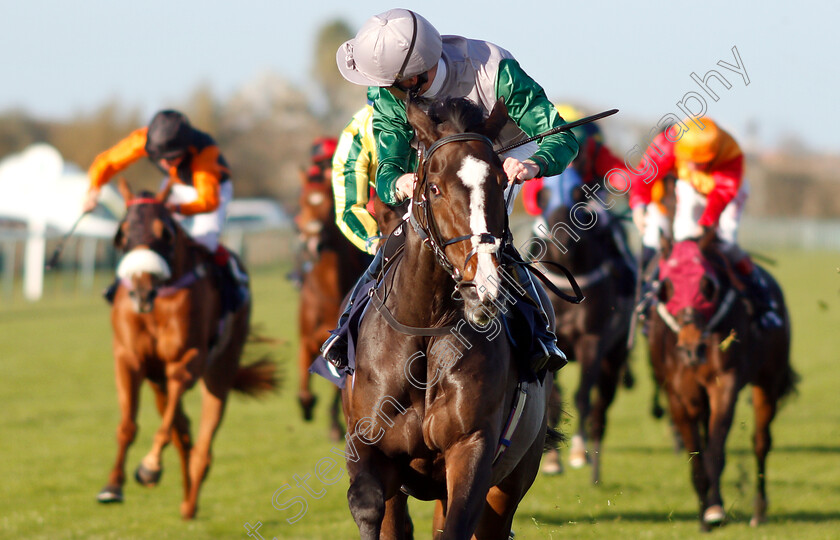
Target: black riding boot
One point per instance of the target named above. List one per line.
(334, 349)
(759, 294)
(549, 355)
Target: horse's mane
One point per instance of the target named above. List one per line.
(460, 113)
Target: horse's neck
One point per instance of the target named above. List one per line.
(422, 286)
(188, 255)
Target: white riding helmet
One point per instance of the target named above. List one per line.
(389, 47)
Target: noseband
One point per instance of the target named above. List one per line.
(430, 233)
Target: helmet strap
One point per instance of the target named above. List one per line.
(400, 73)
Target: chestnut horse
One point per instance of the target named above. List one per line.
(593, 333)
(336, 265)
(436, 379)
(169, 330)
(705, 344)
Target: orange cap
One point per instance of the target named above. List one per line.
(698, 145)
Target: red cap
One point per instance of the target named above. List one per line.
(323, 149)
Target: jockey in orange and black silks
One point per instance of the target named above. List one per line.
(187, 155)
(201, 183)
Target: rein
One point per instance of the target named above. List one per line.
(485, 242)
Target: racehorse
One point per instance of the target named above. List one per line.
(593, 332)
(169, 330)
(705, 344)
(336, 265)
(435, 378)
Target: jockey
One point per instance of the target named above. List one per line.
(202, 185)
(353, 176)
(320, 170)
(399, 53)
(710, 194)
(543, 196)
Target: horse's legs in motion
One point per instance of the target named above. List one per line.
(180, 434)
(551, 463)
(177, 379)
(586, 352)
(366, 494)
(128, 392)
(305, 396)
(765, 409)
(438, 519)
(336, 429)
(396, 520)
(468, 464)
(503, 499)
(611, 370)
(688, 426)
(722, 397)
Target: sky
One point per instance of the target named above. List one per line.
(63, 58)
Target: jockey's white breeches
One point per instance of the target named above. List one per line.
(203, 228)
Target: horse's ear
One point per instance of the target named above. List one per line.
(164, 193)
(497, 119)
(124, 189)
(424, 127)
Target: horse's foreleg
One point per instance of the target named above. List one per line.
(721, 412)
(306, 398)
(438, 519)
(468, 466)
(689, 431)
(180, 434)
(551, 463)
(586, 352)
(395, 521)
(367, 492)
(177, 381)
(765, 410)
(336, 428)
(213, 400)
(607, 386)
(128, 394)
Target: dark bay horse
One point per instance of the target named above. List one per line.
(594, 332)
(336, 265)
(169, 330)
(705, 344)
(436, 380)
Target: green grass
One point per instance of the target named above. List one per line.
(57, 440)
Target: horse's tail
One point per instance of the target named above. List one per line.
(553, 438)
(788, 380)
(257, 378)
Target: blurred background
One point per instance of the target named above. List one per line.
(260, 77)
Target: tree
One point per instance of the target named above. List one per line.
(343, 98)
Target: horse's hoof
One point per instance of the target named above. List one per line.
(307, 407)
(714, 515)
(188, 511)
(577, 455)
(110, 494)
(551, 465)
(147, 477)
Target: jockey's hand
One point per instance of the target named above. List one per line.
(91, 200)
(639, 218)
(172, 207)
(405, 186)
(519, 171)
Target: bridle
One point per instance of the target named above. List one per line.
(485, 242)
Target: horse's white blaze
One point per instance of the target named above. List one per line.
(473, 173)
(142, 261)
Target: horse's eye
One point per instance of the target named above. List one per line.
(434, 189)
